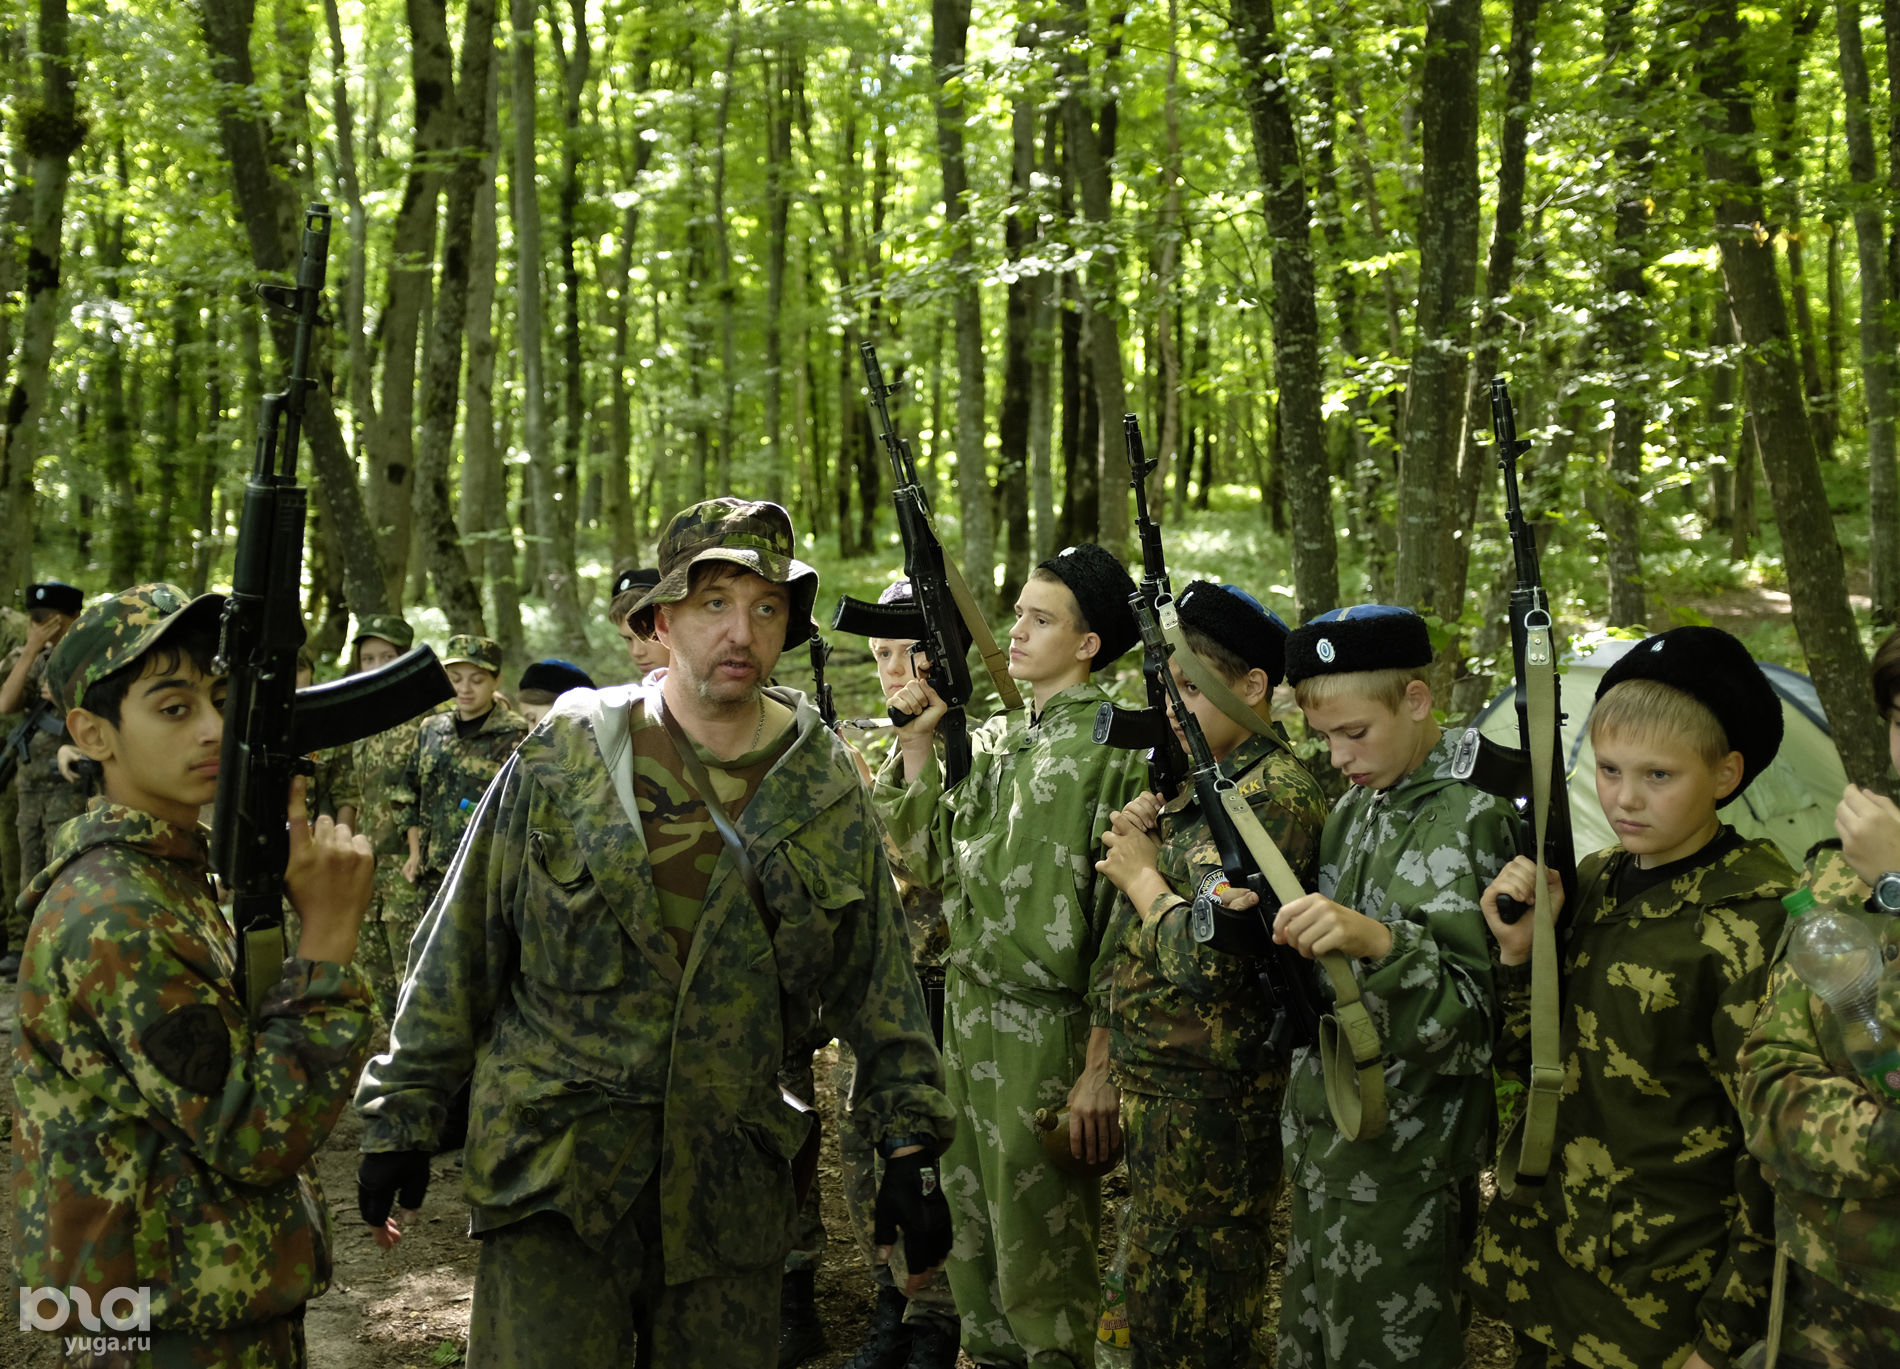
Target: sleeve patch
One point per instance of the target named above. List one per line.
(191, 1047)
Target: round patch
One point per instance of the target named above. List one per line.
(1324, 650)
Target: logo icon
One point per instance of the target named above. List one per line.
(1324, 650)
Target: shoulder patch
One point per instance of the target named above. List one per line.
(191, 1047)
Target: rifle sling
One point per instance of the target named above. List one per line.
(1530, 1161)
(1208, 680)
(1355, 1089)
(994, 659)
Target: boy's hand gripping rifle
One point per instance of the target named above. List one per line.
(1355, 1086)
(1532, 776)
(270, 727)
(1146, 729)
(943, 619)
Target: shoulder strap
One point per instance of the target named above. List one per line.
(994, 660)
(700, 780)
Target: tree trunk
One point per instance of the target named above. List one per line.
(776, 68)
(1784, 150)
(1876, 338)
(1013, 419)
(162, 557)
(1627, 320)
(564, 575)
(1811, 552)
(728, 325)
(54, 135)
(121, 495)
(1300, 433)
(356, 277)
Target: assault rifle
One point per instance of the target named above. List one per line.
(44, 716)
(942, 619)
(821, 687)
(270, 727)
(1146, 729)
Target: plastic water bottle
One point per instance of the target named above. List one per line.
(1111, 1332)
(1838, 957)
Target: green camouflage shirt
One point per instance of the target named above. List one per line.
(599, 1059)
(381, 766)
(334, 787)
(1830, 1148)
(1028, 916)
(448, 775)
(160, 1139)
(1650, 1236)
(1191, 1021)
(1416, 857)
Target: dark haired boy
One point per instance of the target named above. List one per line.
(1380, 1226)
(1650, 1240)
(647, 653)
(163, 1140)
(1200, 1079)
(1027, 973)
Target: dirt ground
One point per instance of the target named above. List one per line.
(409, 1308)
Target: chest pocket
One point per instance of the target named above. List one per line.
(570, 939)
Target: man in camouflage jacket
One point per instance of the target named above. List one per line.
(628, 1156)
(163, 1141)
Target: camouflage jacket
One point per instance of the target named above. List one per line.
(39, 772)
(160, 1139)
(448, 776)
(923, 907)
(1028, 916)
(334, 786)
(1416, 857)
(1830, 1148)
(599, 1060)
(381, 766)
(1189, 1020)
(1651, 1197)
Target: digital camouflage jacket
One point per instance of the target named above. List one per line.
(160, 1139)
(599, 1060)
(1191, 1021)
(1029, 918)
(1416, 857)
(448, 776)
(1650, 1237)
(381, 765)
(1830, 1148)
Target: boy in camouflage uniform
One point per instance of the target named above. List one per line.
(1032, 939)
(334, 792)
(1201, 1085)
(457, 755)
(1649, 1241)
(624, 998)
(1829, 1143)
(164, 1141)
(380, 765)
(1380, 1226)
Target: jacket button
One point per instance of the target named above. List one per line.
(1893, 951)
(531, 1114)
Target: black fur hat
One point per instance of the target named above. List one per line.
(555, 676)
(1364, 637)
(1102, 590)
(1239, 622)
(56, 595)
(1715, 670)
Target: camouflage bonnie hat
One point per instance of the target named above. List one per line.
(116, 631)
(390, 627)
(755, 535)
(467, 649)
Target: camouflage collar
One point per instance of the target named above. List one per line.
(114, 824)
(500, 718)
(1087, 695)
(1246, 756)
(1753, 870)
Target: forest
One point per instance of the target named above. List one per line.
(595, 259)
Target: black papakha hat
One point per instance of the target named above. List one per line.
(556, 676)
(635, 577)
(1102, 590)
(1345, 641)
(1239, 622)
(1714, 669)
(56, 595)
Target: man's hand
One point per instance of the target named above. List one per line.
(1869, 828)
(1095, 1107)
(1519, 880)
(1314, 925)
(914, 738)
(910, 1199)
(70, 756)
(328, 880)
(380, 1178)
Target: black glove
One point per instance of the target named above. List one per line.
(383, 1174)
(910, 1197)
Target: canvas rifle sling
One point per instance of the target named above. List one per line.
(994, 659)
(1531, 1160)
(1355, 1089)
(1206, 679)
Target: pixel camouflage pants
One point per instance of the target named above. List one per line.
(1023, 1266)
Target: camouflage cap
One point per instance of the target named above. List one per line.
(390, 627)
(754, 534)
(467, 649)
(116, 631)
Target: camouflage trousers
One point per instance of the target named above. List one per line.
(382, 947)
(858, 1157)
(1825, 1327)
(277, 1344)
(796, 1077)
(1379, 1283)
(1023, 1265)
(1202, 1174)
(42, 812)
(545, 1300)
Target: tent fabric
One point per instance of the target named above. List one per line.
(1791, 804)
